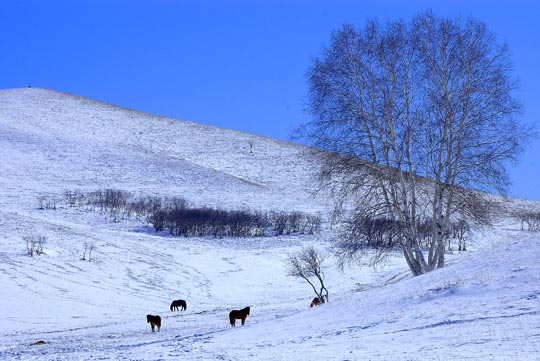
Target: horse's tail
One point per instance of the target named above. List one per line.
(172, 306)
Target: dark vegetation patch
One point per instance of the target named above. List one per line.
(177, 216)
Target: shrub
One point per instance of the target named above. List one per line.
(178, 217)
(34, 245)
(530, 220)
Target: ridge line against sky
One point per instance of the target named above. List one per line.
(234, 64)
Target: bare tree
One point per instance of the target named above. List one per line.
(88, 247)
(47, 202)
(307, 265)
(34, 245)
(411, 117)
(530, 219)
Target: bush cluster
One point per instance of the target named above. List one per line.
(530, 220)
(385, 233)
(34, 245)
(178, 217)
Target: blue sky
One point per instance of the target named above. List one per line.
(234, 64)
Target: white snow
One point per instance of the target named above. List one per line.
(485, 305)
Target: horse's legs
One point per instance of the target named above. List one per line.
(243, 321)
(152, 325)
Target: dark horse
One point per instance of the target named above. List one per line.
(238, 315)
(178, 303)
(316, 301)
(154, 321)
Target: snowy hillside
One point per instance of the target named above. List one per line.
(53, 142)
(485, 305)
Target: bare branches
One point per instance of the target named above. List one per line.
(180, 218)
(34, 245)
(412, 115)
(307, 265)
(88, 248)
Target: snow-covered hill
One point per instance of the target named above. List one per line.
(485, 305)
(53, 142)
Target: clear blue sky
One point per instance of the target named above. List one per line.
(234, 64)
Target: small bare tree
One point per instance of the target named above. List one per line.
(530, 220)
(47, 202)
(307, 265)
(88, 247)
(34, 245)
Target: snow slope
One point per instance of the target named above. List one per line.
(484, 306)
(52, 140)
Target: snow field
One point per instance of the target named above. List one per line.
(485, 305)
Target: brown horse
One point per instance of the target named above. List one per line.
(178, 303)
(316, 301)
(154, 321)
(239, 315)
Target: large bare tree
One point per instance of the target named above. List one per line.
(414, 120)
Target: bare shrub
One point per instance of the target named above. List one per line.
(530, 220)
(73, 198)
(34, 245)
(460, 230)
(88, 248)
(177, 216)
(294, 223)
(47, 202)
(361, 234)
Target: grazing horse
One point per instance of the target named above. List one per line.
(154, 321)
(316, 301)
(40, 342)
(238, 315)
(178, 303)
